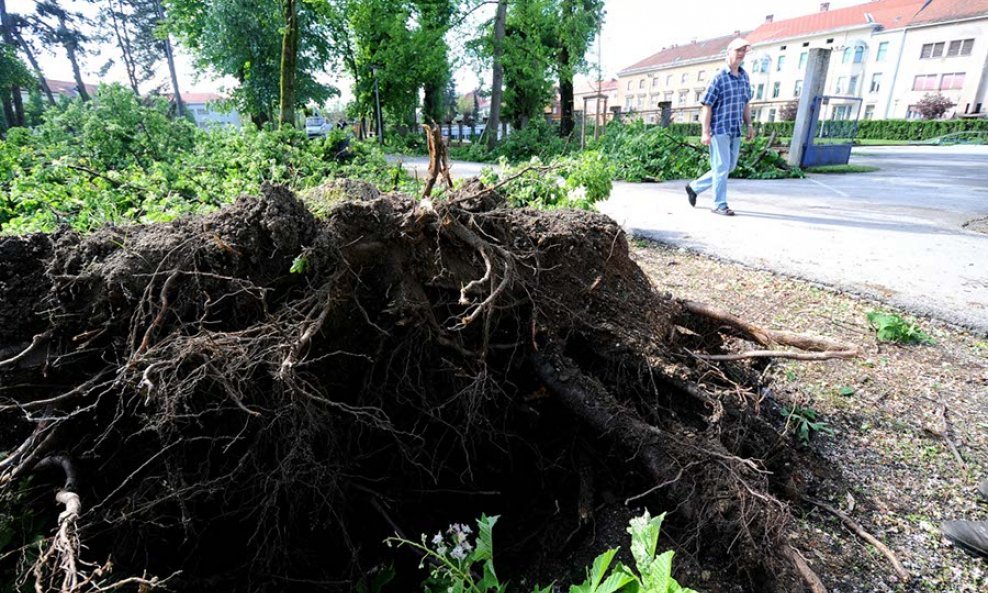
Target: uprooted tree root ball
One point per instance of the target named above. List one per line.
(254, 400)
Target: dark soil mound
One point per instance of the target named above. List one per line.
(258, 428)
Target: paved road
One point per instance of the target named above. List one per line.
(896, 234)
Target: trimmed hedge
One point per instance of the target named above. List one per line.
(873, 129)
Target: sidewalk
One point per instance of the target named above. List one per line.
(895, 234)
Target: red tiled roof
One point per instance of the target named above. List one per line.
(889, 14)
(948, 10)
(66, 87)
(197, 98)
(670, 56)
(591, 87)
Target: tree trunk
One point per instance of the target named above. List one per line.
(126, 51)
(169, 56)
(289, 53)
(494, 121)
(566, 122)
(71, 49)
(13, 112)
(37, 68)
(432, 103)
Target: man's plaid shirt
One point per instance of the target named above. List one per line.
(726, 96)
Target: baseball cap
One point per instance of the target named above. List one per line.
(737, 43)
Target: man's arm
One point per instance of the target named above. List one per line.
(705, 113)
(747, 121)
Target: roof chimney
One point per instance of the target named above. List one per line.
(769, 17)
(737, 32)
(824, 6)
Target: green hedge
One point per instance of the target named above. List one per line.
(875, 129)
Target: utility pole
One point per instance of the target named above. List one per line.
(377, 102)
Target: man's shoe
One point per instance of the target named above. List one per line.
(970, 536)
(691, 195)
(724, 211)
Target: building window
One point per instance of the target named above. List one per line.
(771, 115)
(831, 40)
(701, 75)
(684, 77)
(852, 86)
(696, 117)
(847, 55)
(925, 82)
(840, 85)
(876, 82)
(798, 88)
(960, 47)
(931, 50)
(802, 60)
(699, 95)
(883, 49)
(780, 63)
(841, 112)
(869, 112)
(913, 113)
(627, 104)
(760, 91)
(756, 114)
(655, 81)
(641, 83)
(629, 85)
(641, 103)
(952, 81)
(682, 97)
(669, 80)
(776, 88)
(859, 54)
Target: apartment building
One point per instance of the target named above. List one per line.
(885, 56)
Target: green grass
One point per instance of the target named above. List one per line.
(840, 169)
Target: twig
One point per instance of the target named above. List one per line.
(947, 430)
(858, 529)
(35, 341)
(809, 577)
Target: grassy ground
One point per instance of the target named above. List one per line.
(889, 411)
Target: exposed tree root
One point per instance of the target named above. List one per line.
(245, 426)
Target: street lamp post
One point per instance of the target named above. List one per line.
(377, 102)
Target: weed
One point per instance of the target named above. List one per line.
(846, 391)
(806, 422)
(891, 327)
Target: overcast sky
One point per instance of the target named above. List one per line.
(633, 30)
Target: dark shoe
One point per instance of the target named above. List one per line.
(983, 490)
(970, 536)
(725, 211)
(691, 195)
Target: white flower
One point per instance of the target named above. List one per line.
(458, 553)
(437, 539)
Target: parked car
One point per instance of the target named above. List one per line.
(316, 126)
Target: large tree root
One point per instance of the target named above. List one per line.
(251, 427)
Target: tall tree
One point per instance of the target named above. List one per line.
(435, 19)
(166, 42)
(17, 23)
(497, 79)
(13, 107)
(243, 39)
(578, 23)
(289, 55)
(529, 54)
(57, 26)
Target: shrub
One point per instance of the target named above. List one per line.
(890, 327)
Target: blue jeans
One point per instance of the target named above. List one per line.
(723, 159)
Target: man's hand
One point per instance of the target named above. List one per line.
(751, 133)
(705, 138)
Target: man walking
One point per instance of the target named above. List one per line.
(725, 110)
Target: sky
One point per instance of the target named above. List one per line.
(632, 30)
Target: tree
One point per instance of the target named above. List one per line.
(529, 54)
(14, 75)
(494, 121)
(933, 105)
(56, 26)
(289, 55)
(243, 39)
(435, 20)
(788, 111)
(578, 22)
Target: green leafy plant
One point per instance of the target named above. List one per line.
(299, 265)
(460, 565)
(890, 327)
(806, 422)
(565, 182)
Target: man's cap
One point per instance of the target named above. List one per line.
(737, 43)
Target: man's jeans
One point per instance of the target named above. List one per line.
(723, 159)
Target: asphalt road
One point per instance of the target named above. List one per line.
(895, 234)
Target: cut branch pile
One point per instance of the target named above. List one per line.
(241, 427)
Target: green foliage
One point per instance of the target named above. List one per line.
(873, 129)
(805, 421)
(890, 327)
(461, 565)
(840, 169)
(566, 182)
(537, 139)
(116, 160)
(643, 152)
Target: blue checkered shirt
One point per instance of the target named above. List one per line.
(726, 96)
